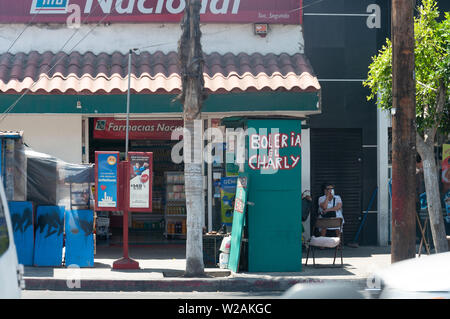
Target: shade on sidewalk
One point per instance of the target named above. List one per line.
(162, 268)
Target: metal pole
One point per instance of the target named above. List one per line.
(202, 149)
(128, 104)
(403, 132)
(210, 195)
(125, 262)
(124, 168)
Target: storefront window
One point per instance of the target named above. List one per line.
(4, 237)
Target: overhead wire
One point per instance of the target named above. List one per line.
(306, 6)
(23, 30)
(237, 26)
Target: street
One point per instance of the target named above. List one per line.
(47, 294)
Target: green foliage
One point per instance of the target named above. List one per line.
(432, 65)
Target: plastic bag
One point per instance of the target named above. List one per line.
(225, 245)
(223, 260)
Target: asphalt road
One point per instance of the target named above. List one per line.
(47, 294)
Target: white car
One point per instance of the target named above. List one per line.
(11, 273)
(425, 277)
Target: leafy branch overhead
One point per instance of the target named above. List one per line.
(432, 71)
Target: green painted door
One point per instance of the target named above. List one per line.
(274, 221)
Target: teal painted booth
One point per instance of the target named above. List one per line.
(274, 193)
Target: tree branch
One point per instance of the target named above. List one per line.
(420, 144)
(440, 103)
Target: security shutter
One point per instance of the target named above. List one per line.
(336, 157)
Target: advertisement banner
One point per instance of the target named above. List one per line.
(144, 11)
(446, 166)
(106, 180)
(231, 168)
(114, 129)
(141, 181)
(227, 195)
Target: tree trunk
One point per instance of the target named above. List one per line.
(194, 202)
(426, 151)
(192, 96)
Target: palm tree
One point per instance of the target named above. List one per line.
(192, 96)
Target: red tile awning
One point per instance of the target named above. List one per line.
(157, 72)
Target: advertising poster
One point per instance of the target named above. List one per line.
(446, 177)
(231, 169)
(446, 167)
(227, 195)
(141, 179)
(106, 164)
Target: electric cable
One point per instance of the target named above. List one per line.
(23, 31)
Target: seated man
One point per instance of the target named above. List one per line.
(330, 203)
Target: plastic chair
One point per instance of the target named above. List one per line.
(334, 242)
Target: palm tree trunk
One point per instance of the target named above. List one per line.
(192, 96)
(194, 202)
(426, 152)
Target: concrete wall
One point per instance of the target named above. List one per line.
(306, 173)
(221, 38)
(56, 135)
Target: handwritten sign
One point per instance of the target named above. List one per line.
(265, 151)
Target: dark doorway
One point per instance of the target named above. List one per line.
(336, 157)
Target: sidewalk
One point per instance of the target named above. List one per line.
(162, 267)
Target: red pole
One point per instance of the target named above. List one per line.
(125, 200)
(125, 262)
(125, 233)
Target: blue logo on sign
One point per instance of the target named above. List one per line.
(49, 6)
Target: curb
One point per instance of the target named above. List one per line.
(179, 285)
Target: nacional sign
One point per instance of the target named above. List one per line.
(145, 11)
(112, 129)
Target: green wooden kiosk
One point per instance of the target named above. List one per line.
(273, 169)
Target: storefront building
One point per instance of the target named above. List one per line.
(65, 85)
